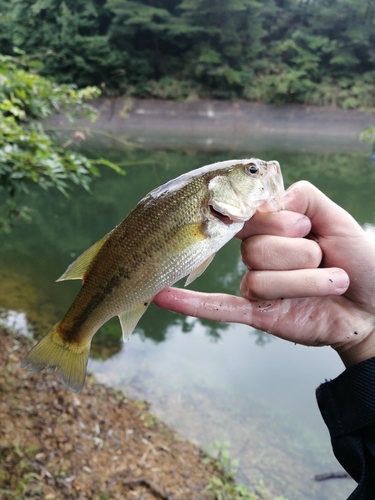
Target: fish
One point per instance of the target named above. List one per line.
(173, 232)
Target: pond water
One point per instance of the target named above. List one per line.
(209, 381)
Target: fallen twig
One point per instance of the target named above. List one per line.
(145, 482)
(332, 475)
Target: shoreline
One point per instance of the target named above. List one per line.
(97, 444)
(220, 125)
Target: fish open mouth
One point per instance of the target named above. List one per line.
(224, 218)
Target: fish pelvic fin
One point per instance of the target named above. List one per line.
(199, 270)
(129, 319)
(67, 360)
(78, 268)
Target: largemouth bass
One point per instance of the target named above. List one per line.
(173, 232)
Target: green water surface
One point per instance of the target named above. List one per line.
(210, 381)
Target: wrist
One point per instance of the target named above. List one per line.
(354, 353)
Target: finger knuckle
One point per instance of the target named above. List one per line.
(251, 286)
(253, 253)
(312, 254)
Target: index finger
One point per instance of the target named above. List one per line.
(284, 223)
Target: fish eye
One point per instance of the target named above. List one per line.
(253, 169)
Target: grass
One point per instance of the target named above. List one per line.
(225, 487)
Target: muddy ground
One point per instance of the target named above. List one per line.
(95, 445)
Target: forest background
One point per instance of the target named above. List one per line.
(56, 55)
(319, 52)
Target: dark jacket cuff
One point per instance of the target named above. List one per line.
(347, 403)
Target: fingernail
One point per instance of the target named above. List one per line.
(340, 280)
(303, 225)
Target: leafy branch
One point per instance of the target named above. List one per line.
(27, 154)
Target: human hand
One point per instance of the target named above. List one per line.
(284, 291)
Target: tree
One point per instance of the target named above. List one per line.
(154, 34)
(278, 51)
(27, 154)
(318, 52)
(70, 38)
(228, 42)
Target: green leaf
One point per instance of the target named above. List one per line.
(27, 154)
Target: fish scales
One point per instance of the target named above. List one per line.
(149, 234)
(173, 232)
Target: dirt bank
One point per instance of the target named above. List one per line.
(97, 445)
(223, 124)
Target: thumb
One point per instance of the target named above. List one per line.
(327, 218)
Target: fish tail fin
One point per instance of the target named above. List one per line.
(56, 355)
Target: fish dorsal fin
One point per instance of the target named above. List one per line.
(129, 319)
(199, 270)
(78, 268)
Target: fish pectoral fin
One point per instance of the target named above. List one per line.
(199, 270)
(78, 268)
(130, 318)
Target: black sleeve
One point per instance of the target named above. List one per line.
(347, 405)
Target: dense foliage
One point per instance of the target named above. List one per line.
(27, 154)
(311, 51)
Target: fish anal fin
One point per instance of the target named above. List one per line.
(130, 318)
(199, 270)
(77, 270)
